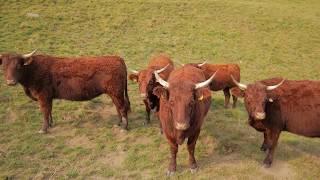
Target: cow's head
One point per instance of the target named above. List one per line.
(255, 96)
(13, 65)
(146, 80)
(181, 98)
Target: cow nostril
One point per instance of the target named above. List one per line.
(182, 126)
(260, 115)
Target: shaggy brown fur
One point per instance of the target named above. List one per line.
(147, 82)
(45, 78)
(182, 111)
(222, 80)
(294, 107)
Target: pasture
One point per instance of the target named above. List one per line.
(266, 38)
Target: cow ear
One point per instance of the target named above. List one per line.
(27, 61)
(271, 96)
(161, 92)
(203, 94)
(237, 92)
(134, 77)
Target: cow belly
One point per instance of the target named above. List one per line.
(76, 89)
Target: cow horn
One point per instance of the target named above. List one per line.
(134, 71)
(160, 80)
(269, 88)
(162, 69)
(205, 62)
(30, 54)
(241, 86)
(205, 83)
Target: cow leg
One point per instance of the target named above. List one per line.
(191, 146)
(264, 144)
(272, 141)
(147, 111)
(226, 92)
(28, 93)
(50, 120)
(173, 161)
(119, 116)
(45, 107)
(234, 99)
(160, 125)
(119, 102)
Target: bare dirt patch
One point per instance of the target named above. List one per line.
(58, 130)
(114, 159)
(107, 111)
(80, 141)
(280, 169)
(144, 140)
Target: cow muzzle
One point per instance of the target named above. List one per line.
(260, 115)
(182, 126)
(11, 82)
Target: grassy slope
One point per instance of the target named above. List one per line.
(267, 38)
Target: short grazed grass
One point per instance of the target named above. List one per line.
(266, 38)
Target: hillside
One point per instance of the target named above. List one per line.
(267, 38)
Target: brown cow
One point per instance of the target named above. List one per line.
(45, 78)
(292, 106)
(184, 102)
(222, 81)
(147, 81)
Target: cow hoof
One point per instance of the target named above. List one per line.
(124, 129)
(263, 148)
(170, 173)
(266, 165)
(193, 170)
(42, 132)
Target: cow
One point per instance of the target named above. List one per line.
(45, 78)
(275, 105)
(184, 102)
(146, 80)
(222, 81)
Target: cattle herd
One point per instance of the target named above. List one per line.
(179, 97)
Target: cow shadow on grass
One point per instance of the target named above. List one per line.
(235, 140)
(101, 112)
(97, 113)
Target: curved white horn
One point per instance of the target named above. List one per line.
(269, 88)
(241, 86)
(205, 83)
(162, 69)
(134, 71)
(30, 54)
(160, 80)
(205, 62)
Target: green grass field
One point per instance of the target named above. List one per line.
(266, 38)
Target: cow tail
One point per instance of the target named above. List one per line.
(126, 97)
